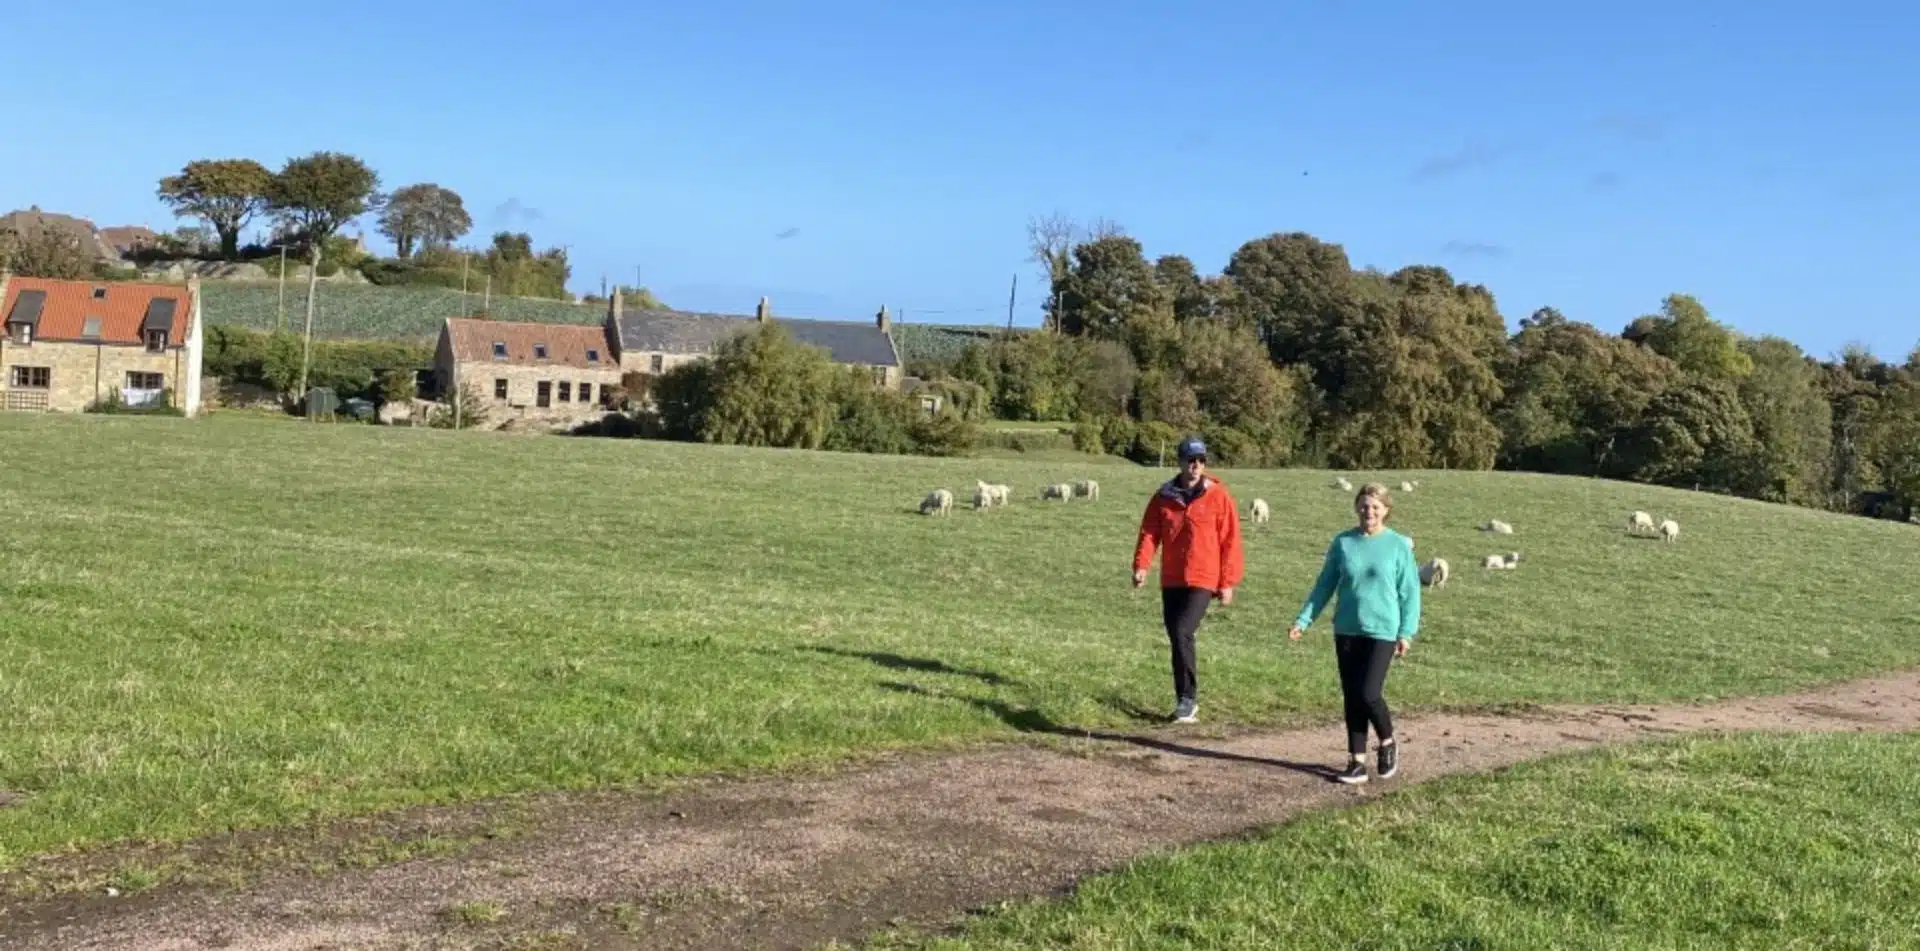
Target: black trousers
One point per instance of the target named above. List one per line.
(1182, 610)
(1363, 674)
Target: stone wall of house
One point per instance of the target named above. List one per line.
(641, 361)
(80, 374)
(480, 378)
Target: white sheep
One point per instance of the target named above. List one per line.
(1342, 484)
(1434, 573)
(1406, 487)
(1088, 488)
(1259, 512)
(1059, 490)
(1513, 559)
(1669, 531)
(1638, 523)
(995, 493)
(937, 502)
(1500, 562)
(982, 497)
(1498, 527)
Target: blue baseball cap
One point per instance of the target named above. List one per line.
(1191, 448)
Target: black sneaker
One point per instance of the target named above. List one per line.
(1356, 773)
(1186, 711)
(1386, 763)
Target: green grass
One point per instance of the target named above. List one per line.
(364, 311)
(1756, 842)
(232, 623)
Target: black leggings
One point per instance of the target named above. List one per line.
(1182, 610)
(1363, 673)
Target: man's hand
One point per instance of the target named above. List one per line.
(1400, 649)
(1139, 577)
(1226, 597)
(1294, 633)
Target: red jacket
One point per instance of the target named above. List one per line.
(1201, 538)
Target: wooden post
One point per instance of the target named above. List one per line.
(313, 286)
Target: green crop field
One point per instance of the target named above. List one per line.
(1754, 842)
(237, 622)
(366, 311)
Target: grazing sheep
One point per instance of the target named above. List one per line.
(1669, 531)
(1406, 487)
(1059, 490)
(982, 497)
(1513, 559)
(1434, 573)
(1259, 512)
(1495, 561)
(1638, 523)
(1498, 527)
(1088, 488)
(937, 502)
(1342, 484)
(996, 494)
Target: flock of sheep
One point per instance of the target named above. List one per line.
(1433, 572)
(987, 495)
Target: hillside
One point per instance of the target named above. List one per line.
(371, 311)
(433, 616)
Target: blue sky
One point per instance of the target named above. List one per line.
(837, 156)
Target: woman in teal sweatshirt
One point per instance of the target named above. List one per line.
(1371, 568)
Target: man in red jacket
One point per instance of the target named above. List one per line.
(1194, 519)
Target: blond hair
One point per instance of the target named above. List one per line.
(1374, 490)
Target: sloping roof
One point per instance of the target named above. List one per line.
(122, 310)
(567, 344)
(675, 331)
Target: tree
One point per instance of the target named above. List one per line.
(424, 214)
(1694, 435)
(44, 252)
(1569, 391)
(224, 193)
(1792, 422)
(1684, 333)
(314, 197)
(771, 390)
(1298, 291)
(1050, 243)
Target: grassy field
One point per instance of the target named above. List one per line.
(234, 622)
(1758, 842)
(366, 311)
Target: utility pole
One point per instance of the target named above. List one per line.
(1011, 294)
(466, 262)
(283, 287)
(313, 288)
(486, 303)
(456, 391)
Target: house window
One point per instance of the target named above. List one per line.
(32, 378)
(499, 389)
(23, 334)
(136, 380)
(90, 328)
(499, 349)
(539, 351)
(566, 392)
(658, 363)
(543, 394)
(586, 393)
(99, 293)
(156, 340)
(879, 376)
(593, 356)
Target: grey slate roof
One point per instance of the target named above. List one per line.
(27, 307)
(675, 331)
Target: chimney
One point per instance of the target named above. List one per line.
(764, 312)
(884, 321)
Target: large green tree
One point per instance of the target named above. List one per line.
(769, 389)
(316, 195)
(426, 216)
(1685, 333)
(1108, 286)
(224, 193)
(1569, 390)
(1298, 292)
(1792, 422)
(1695, 435)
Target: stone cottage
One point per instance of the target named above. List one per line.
(72, 344)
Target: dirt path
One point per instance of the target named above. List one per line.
(792, 863)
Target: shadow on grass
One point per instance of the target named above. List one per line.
(1028, 720)
(925, 665)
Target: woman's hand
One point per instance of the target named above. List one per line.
(1294, 633)
(1401, 647)
(1226, 597)
(1139, 578)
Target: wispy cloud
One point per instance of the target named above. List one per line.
(1473, 249)
(789, 233)
(1631, 127)
(1603, 181)
(512, 211)
(1447, 164)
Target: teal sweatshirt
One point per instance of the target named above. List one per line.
(1378, 584)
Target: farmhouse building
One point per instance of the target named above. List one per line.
(72, 344)
(565, 372)
(558, 371)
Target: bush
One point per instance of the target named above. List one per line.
(111, 405)
(473, 411)
(350, 368)
(398, 386)
(1052, 440)
(683, 397)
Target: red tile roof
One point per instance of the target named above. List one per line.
(567, 344)
(68, 304)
